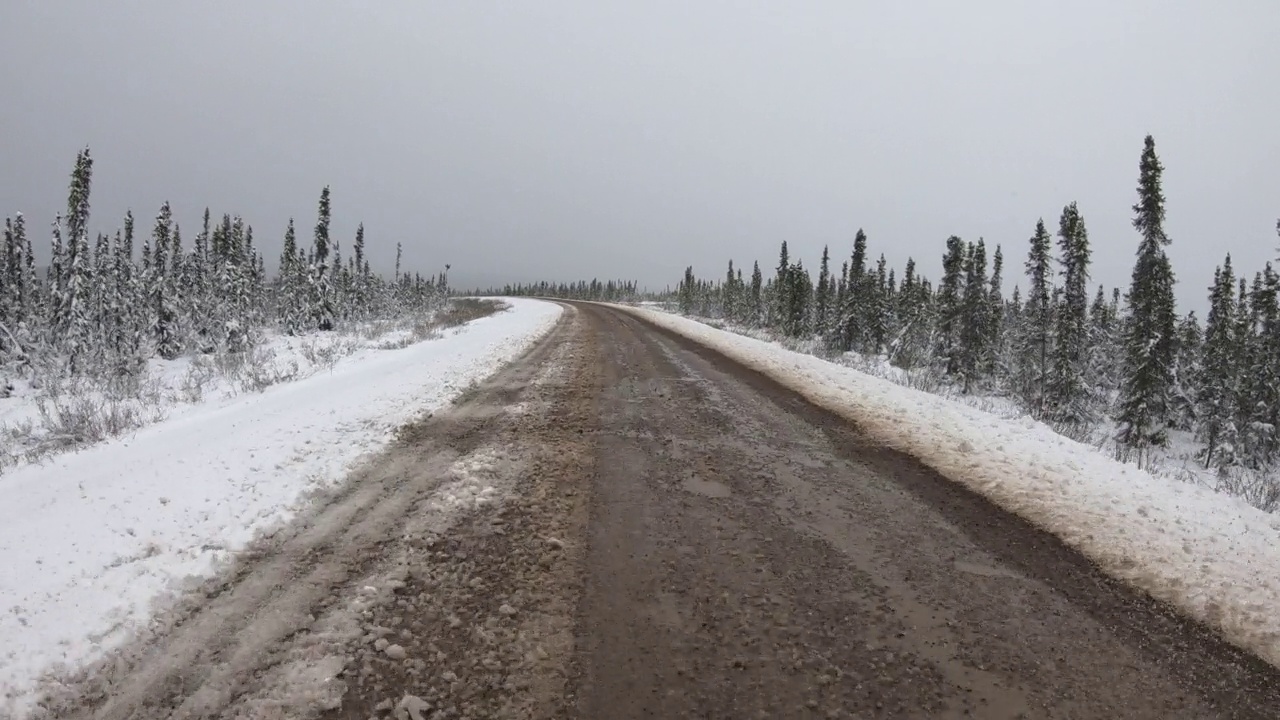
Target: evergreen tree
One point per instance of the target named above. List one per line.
(360, 268)
(15, 293)
(55, 287)
(912, 346)
(28, 284)
(10, 305)
(782, 302)
(854, 313)
(1215, 397)
(164, 331)
(126, 342)
(1147, 374)
(322, 301)
(997, 356)
(290, 275)
(948, 306)
(1103, 366)
(1068, 388)
(1035, 344)
(975, 321)
(824, 298)
(687, 291)
(1260, 390)
(728, 295)
(757, 295)
(799, 296)
(101, 294)
(878, 321)
(1187, 373)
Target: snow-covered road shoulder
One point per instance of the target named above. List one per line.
(1212, 555)
(90, 541)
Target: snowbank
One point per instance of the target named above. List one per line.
(90, 540)
(1212, 555)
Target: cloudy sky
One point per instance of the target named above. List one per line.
(556, 139)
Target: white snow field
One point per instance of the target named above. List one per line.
(92, 542)
(1212, 555)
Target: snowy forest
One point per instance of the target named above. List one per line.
(1069, 354)
(102, 309)
(81, 333)
(1076, 356)
(606, 291)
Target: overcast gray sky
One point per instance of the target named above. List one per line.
(524, 140)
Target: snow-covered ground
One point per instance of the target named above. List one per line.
(92, 542)
(62, 415)
(1212, 555)
(1180, 460)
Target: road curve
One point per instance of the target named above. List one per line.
(623, 524)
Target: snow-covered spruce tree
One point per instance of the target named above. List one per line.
(729, 295)
(757, 296)
(75, 320)
(8, 284)
(14, 309)
(127, 348)
(176, 290)
(59, 314)
(250, 278)
(1245, 342)
(1103, 377)
(287, 285)
(854, 312)
(10, 277)
(1187, 373)
(322, 296)
(1260, 392)
(996, 366)
(975, 321)
(338, 282)
(1068, 393)
(101, 291)
(780, 312)
(197, 279)
(686, 291)
(740, 293)
(948, 307)
(878, 320)
(392, 297)
(824, 296)
(160, 311)
(839, 298)
(360, 277)
(1035, 343)
(799, 296)
(1147, 373)
(1216, 395)
(911, 347)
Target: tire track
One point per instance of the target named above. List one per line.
(210, 649)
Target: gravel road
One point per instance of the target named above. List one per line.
(625, 525)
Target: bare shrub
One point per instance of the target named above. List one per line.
(259, 370)
(83, 420)
(1080, 432)
(461, 311)
(327, 352)
(1259, 488)
(195, 382)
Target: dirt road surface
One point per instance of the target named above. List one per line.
(625, 525)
